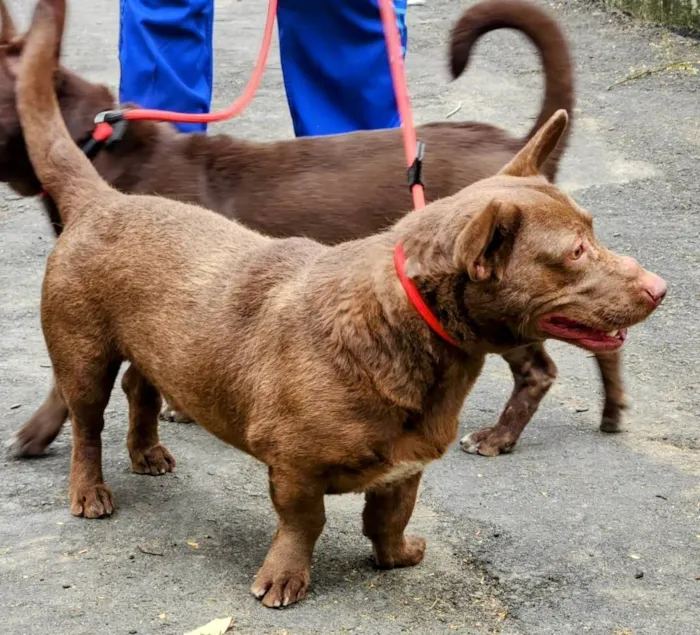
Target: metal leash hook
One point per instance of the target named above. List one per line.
(415, 170)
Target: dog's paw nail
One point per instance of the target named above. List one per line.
(258, 592)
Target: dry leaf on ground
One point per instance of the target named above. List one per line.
(215, 627)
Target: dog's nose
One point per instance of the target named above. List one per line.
(653, 288)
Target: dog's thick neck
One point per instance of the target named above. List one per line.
(459, 303)
(378, 334)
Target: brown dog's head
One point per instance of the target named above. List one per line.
(524, 263)
(80, 101)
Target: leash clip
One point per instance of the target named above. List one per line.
(110, 127)
(118, 130)
(117, 123)
(415, 172)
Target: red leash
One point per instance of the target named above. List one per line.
(414, 158)
(403, 102)
(238, 106)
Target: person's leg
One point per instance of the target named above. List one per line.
(166, 55)
(335, 65)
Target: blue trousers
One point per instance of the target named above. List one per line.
(334, 61)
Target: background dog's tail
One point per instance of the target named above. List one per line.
(542, 30)
(65, 172)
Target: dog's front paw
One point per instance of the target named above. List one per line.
(408, 554)
(280, 588)
(173, 415)
(91, 501)
(154, 461)
(488, 442)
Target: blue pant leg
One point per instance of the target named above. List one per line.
(166, 55)
(335, 65)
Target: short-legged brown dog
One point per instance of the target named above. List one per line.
(309, 186)
(310, 358)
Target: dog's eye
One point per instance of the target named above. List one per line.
(577, 253)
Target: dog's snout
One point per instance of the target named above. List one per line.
(629, 265)
(653, 288)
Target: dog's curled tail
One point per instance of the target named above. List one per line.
(542, 30)
(65, 172)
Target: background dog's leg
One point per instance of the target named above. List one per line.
(387, 512)
(38, 433)
(148, 455)
(171, 413)
(534, 372)
(87, 388)
(285, 575)
(609, 365)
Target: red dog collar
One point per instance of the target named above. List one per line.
(414, 296)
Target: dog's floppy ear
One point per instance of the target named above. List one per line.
(529, 161)
(484, 246)
(8, 31)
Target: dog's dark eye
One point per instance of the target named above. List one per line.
(577, 253)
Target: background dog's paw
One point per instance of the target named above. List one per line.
(170, 414)
(17, 447)
(615, 405)
(23, 445)
(612, 416)
(611, 424)
(277, 590)
(487, 442)
(91, 501)
(154, 461)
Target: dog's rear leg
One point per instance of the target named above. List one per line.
(534, 372)
(38, 433)
(285, 575)
(87, 388)
(387, 512)
(615, 402)
(148, 455)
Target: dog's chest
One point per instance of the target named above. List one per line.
(400, 472)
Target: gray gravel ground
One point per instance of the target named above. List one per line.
(551, 539)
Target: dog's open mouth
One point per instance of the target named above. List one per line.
(581, 335)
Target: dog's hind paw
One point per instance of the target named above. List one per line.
(154, 461)
(409, 554)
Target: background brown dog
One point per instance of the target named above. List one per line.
(328, 188)
(322, 368)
